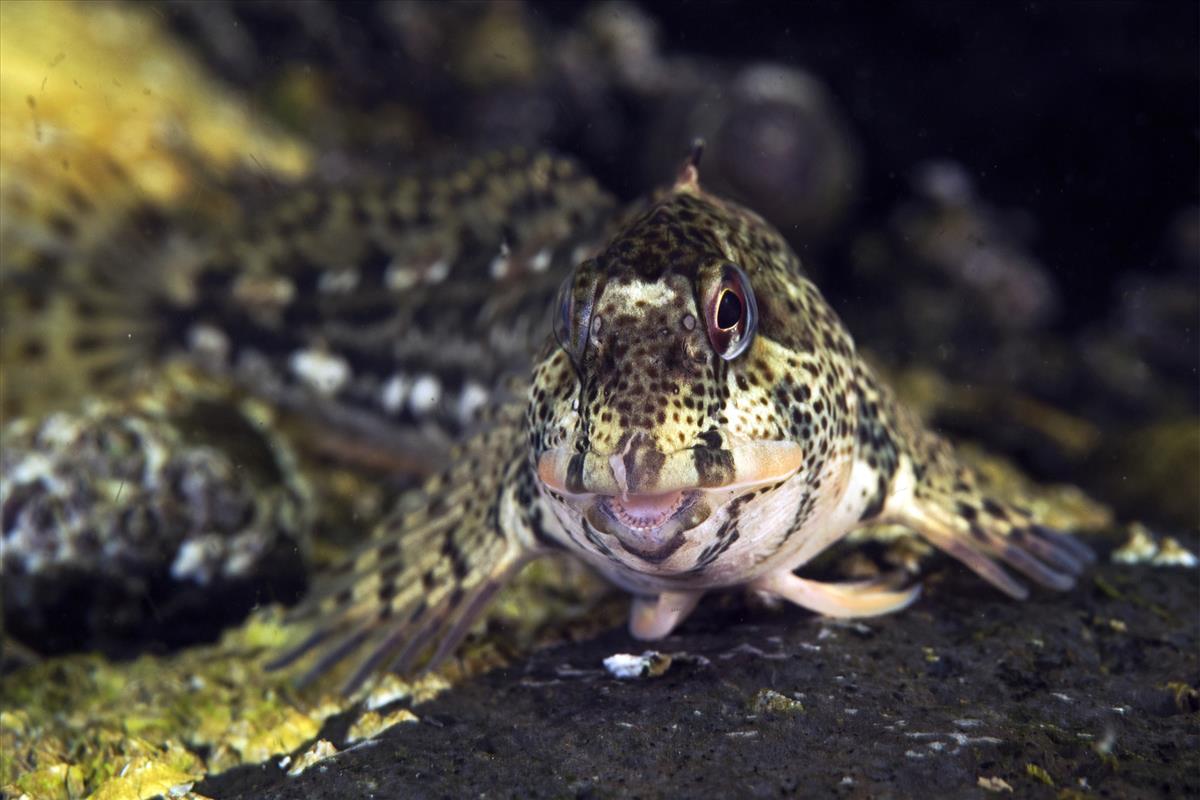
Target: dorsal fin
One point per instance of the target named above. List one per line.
(689, 174)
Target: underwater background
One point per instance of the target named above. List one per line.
(1003, 204)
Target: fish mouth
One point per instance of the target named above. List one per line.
(645, 511)
(649, 526)
(649, 512)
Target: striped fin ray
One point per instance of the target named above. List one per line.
(410, 596)
(78, 282)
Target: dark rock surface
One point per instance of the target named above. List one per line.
(1093, 693)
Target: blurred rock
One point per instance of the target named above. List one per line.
(126, 528)
(1156, 467)
(776, 142)
(948, 227)
(391, 80)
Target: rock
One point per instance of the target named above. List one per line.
(118, 534)
(1047, 682)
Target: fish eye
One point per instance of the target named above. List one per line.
(731, 313)
(564, 305)
(573, 312)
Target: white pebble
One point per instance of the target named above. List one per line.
(626, 665)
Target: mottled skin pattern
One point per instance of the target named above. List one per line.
(673, 470)
(386, 309)
(699, 418)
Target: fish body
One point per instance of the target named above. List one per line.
(660, 392)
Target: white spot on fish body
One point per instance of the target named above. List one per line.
(541, 260)
(398, 277)
(198, 559)
(339, 281)
(500, 264)
(323, 372)
(393, 393)
(470, 400)
(438, 271)
(426, 392)
(208, 342)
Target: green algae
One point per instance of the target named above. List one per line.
(96, 725)
(84, 725)
(1039, 774)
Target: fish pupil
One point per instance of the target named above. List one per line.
(729, 311)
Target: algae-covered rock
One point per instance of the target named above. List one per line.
(208, 709)
(154, 723)
(71, 87)
(119, 531)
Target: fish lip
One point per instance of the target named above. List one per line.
(756, 464)
(652, 523)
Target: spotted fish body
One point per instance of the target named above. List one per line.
(675, 467)
(697, 417)
(392, 310)
(386, 309)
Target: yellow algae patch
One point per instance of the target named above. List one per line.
(373, 723)
(145, 778)
(53, 782)
(270, 731)
(79, 78)
(81, 724)
(391, 688)
(154, 722)
(320, 751)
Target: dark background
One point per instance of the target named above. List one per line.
(1087, 114)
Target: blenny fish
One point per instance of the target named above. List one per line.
(659, 391)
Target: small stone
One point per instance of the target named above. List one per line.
(650, 664)
(1139, 548)
(1172, 554)
(1039, 774)
(769, 701)
(994, 784)
(373, 723)
(321, 750)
